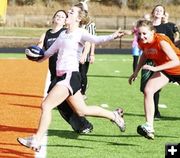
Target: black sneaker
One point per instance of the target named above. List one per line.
(157, 117)
(87, 130)
(146, 130)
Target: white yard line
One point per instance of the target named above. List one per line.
(43, 152)
(115, 60)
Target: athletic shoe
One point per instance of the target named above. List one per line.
(146, 130)
(119, 119)
(29, 142)
(87, 129)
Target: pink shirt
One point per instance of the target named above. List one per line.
(135, 39)
(69, 47)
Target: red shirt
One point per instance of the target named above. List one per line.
(154, 51)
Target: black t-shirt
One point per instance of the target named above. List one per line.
(173, 27)
(48, 41)
(165, 29)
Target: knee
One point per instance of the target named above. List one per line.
(45, 107)
(148, 91)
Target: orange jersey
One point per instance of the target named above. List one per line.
(154, 51)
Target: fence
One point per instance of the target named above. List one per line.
(102, 22)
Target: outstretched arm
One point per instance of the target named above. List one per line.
(100, 39)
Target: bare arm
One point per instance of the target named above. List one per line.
(176, 36)
(174, 60)
(51, 50)
(92, 53)
(100, 39)
(138, 68)
(41, 41)
(85, 52)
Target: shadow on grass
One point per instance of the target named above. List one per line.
(163, 118)
(70, 146)
(169, 118)
(134, 114)
(108, 76)
(86, 137)
(164, 136)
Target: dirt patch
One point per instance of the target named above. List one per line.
(22, 87)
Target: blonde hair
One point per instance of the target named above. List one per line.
(146, 23)
(83, 14)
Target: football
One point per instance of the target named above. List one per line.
(34, 53)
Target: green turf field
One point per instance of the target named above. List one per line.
(12, 55)
(108, 84)
(37, 32)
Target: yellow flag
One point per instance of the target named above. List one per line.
(3, 7)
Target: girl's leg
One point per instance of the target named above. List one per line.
(56, 96)
(135, 62)
(156, 103)
(83, 68)
(82, 109)
(78, 104)
(156, 82)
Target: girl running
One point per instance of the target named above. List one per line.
(166, 57)
(69, 46)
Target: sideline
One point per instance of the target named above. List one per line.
(43, 152)
(97, 50)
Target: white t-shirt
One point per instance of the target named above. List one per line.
(69, 47)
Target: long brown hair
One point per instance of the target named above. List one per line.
(58, 12)
(159, 5)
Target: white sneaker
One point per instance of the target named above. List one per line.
(29, 142)
(119, 119)
(146, 130)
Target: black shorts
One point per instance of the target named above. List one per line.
(145, 75)
(71, 80)
(172, 78)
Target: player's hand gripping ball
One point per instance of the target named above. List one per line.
(34, 53)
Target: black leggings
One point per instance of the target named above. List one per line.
(156, 102)
(83, 69)
(135, 62)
